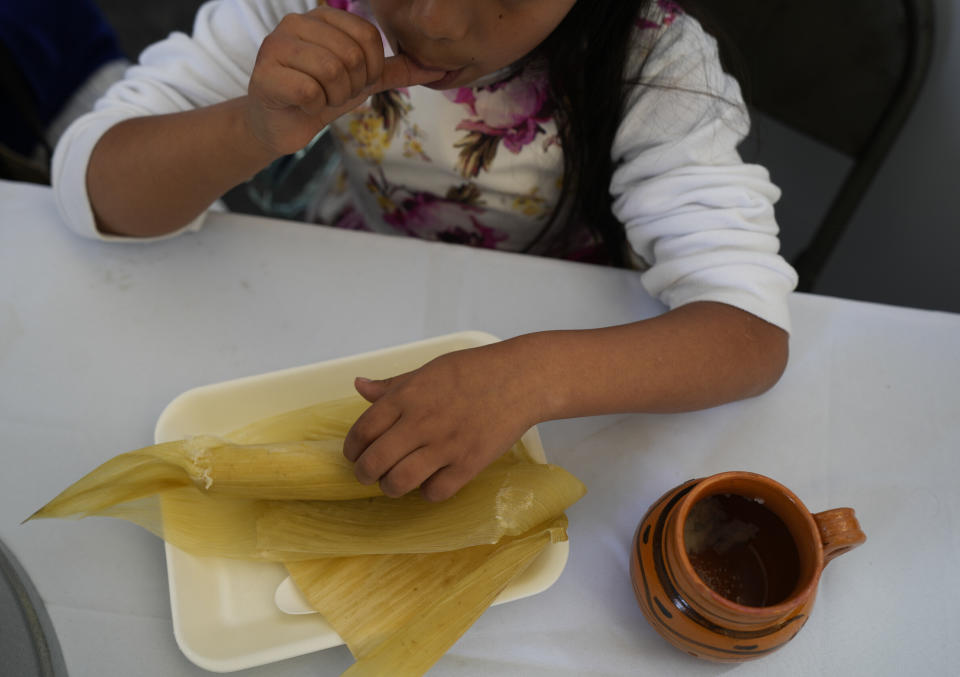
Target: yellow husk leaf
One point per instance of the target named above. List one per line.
(280, 489)
(291, 456)
(310, 470)
(122, 479)
(326, 421)
(506, 499)
(307, 470)
(209, 526)
(502, 501)
(383, 606)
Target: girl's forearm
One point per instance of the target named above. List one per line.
(152, 175)
(697, 356)
(439, 425)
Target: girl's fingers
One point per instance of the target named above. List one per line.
(385, 452)
(399, 71)
(340, 52)
(445, 482)
(369, 427)
(337, 59)
(364, 35)
(285, 87)
(325, 66)
(353, 42)
(410, 472)
(373, 389)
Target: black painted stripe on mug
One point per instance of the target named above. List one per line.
(690, 640)
(663, 609)
(646, 534)
(745, 647)
(671, 583)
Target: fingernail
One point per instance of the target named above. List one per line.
(363, 379)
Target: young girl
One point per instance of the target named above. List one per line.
(603, 129)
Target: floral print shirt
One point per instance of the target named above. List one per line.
(479, 165)
(482, 165)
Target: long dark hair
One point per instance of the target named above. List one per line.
(587, 56)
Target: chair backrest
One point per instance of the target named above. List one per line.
(844, 72)
(20, 108)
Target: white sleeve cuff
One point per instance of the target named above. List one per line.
(69, 172)
(701, 219)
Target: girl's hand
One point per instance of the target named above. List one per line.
(437, 427)
(315, 67)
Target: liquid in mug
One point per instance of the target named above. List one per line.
(742, 550)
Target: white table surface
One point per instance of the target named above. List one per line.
(95, 339)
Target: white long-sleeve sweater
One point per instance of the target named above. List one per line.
(482, 164)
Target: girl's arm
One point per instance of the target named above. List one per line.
(438, 426)
(699, 216)
(152, 175)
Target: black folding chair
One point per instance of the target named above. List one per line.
(846, 73)
(16, 93)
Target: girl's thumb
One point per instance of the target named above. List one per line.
(399, 71)
(371, 390)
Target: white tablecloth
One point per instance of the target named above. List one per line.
(95, 339)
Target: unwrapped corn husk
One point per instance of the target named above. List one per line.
(399, 579)
(324, 421)
(314, 469)
(499, 502)
(381, 604)
(506, 499)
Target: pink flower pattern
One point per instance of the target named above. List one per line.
(509, 112)
(428, 216)
(669, 11)
(454, 218)
(352, 6)
(350, 219)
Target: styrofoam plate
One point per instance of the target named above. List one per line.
(224, 614)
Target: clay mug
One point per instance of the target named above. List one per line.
(726, 567)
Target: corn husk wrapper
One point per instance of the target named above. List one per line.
(297, 455)
(399, 579)
(293, 455)
(501, 501)
(325, 421)
(506, 499)
(381, 605)
(315, 470)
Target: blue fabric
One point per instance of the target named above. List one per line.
(57, 45)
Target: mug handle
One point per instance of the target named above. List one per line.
(839, 532)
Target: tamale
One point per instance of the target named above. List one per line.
(506, 499)
(412, 575)
(501, 501)
(381, 605)
(262, 460)
(304, 470)
(314, 470)
(120, 480)
(325, 421)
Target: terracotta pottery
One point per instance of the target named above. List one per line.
(726, 567)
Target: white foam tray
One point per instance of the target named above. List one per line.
(224, 615)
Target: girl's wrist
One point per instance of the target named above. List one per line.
(542, 393)
(259, 152)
